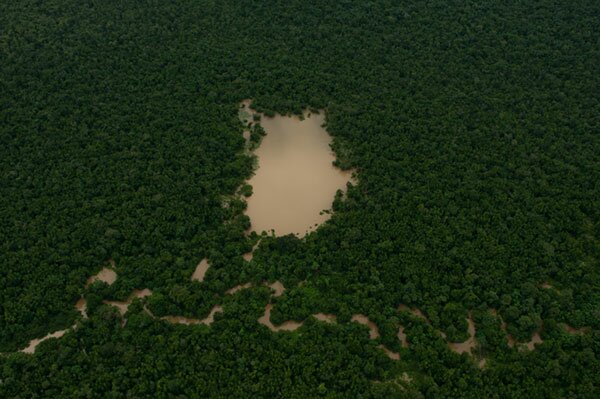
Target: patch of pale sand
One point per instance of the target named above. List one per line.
(364, 320)
(124, 306)
(105, 275)
(325, 317)
(402, 337)
(200, 271)
(482, 363)
(469, 344)
(237, 288)
(265, 320)
(30, 349)
(389, 353)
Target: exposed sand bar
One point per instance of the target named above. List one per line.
(201, 270)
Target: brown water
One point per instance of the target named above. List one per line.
(576, 331)
(245, 113)
(200, 271)
(211, 316)
(109, 276)
(511, 341)
(362, 319)
(469, 344)
(248, 256)
(402, 337)
(535, 339)
(237, 288)
(187, 321)
(389, 353)
(295, 179)
(180, 320)
(105, 275)
(124, 306)
(415, 312)
(35, 342)
(265, 320)
(325, 317)
(81, 306)
(277, 287)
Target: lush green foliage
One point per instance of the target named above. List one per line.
(474, 130)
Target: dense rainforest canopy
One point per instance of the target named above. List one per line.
(474, 130)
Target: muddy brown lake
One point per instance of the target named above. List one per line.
(295, 179)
